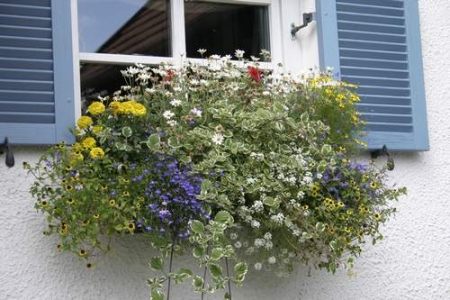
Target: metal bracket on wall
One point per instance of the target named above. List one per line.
(307, 18)
(6, 148)
(384, 151)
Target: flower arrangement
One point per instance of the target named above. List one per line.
(223, 160)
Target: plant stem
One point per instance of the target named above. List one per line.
(204, 273)
(170, 269)
(228, 275)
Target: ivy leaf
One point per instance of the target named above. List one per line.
(240, 270)
(320, 227)
(223, 217)
(121, 146)
(198, 252)
(185, 272)
(326, 150)
(174, 142)
(333, 245)
(157, 295)
(215, 269)
(216, 253)
(307, 235)
(156, 263)
(197, 282)
(197, 227)
(153, 141)
(127, 131)
(279, 126)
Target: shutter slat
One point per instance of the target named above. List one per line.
(35, 64)
(27, 53)
(374, 72)
(27, 96)
(374, 28)
(390, 128)
(28, 21)
(370, 10)
(385, 100)
(377, 46)
(387, 118)
(39, 118)
(26, 85)
(361, 18)
(40, 43)
(22, 31)
(383, 3)
(25, 10)
(43, 3)
(352, 53)
(26, 74)
(373, 81)
(373, 37)
(372, 63)
(35, 107)
(385, 109)
(383, 91)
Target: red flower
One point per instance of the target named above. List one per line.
(169, 76)
(255, 74)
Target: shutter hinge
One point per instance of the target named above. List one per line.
(307, 18)
(6, 148)
(384, 151)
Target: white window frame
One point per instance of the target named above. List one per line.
(178, 40)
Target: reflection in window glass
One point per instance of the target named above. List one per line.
(99, 80)
(140, 27)
(222, 28)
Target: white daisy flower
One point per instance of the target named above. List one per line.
(172, 123)
(255, 224)
(239, 53)
(196, 112)
(217, 139)
(168, 115)
(175, 102)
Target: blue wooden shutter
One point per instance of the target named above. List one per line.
(376, 44)
(36, 71)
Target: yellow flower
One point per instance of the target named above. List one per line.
(96, 108)
(112, 202)
(89, 143)
(77, 147)
(84, 122)
(96, 216)
(139, 109)
(131, 226)
(115, 106)
(97, 129)
(82, 252)
(97, 153)
(377, 216)
(126, 107)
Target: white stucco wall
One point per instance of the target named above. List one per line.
(411, 263)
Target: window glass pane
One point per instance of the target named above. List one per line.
(100, 80)
(139, 27)
(222, 28)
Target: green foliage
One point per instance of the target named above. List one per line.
(268, 159)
